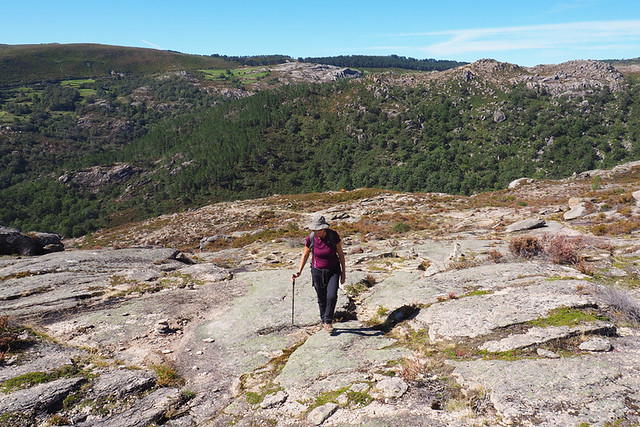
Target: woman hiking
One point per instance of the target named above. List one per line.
(327, 267)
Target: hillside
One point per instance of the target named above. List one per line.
(516, 307)
(24, 64)
(81, 154)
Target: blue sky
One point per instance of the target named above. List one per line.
(517, 31)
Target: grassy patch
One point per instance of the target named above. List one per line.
(565, 316)
(167, 376)
(356, 289)
(327, 397)
(16, 420)
(34, 378)
(358, 398)
(257, 385)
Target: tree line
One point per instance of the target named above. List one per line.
(391, 61)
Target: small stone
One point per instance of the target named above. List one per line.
(322, 413)
(548, 354)
(167, 351)
(208, 340)
(390, 388)
(274, 399)
(596, 344)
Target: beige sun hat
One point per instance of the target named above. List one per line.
(318, 222)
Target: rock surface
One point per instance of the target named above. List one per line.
(150, 335)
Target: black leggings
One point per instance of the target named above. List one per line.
(325, 282)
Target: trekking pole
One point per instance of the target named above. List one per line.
(293, 296)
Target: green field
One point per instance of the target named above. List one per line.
(80, 84)
(245, 74)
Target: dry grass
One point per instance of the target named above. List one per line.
(8, 337)
(525, 246)
(495, 255)
(623, 304)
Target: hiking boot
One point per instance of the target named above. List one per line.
(328, 327)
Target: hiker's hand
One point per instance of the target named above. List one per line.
(343, 278)
(294, 276)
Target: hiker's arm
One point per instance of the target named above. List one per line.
(303, 261)
(341, 256)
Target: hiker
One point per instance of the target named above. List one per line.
(327, 266)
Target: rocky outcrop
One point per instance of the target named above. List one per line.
(14, 242)
(574, 78)
(98, 177)
(308, 72)
(423, 335)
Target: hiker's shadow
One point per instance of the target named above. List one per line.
(406, 312)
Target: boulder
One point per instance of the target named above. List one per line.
(526, 224)
(51, 242)
(636, 196)
(499, 116)
(13, 242)
(596, 344)
(575, 212)
(390, 388)
(520, 181)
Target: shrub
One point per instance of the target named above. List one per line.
(564, 249)
(167, 376)
(525, 246)
(401, 227)
(495, 255)
(599, 229)
(7, 337)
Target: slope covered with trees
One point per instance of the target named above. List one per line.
(188, 138)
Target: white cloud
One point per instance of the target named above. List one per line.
(578, 35)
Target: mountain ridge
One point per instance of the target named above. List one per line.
(196, 136)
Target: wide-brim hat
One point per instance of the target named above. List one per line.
(318, 222)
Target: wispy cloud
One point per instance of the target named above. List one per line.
(153, 45)
(578, 35)
(569, 5)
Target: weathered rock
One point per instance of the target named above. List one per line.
(566, 391)
(118, 383)
(274, 399)
(478, 315)
(547, 353)
(526, 224)
(40, 398)
(537, 336)
(208, 272)
(13, 242)
(61, 281)
(232, 337)
(636, 196)
(95, 178)
(519, 182)
(575, 212)
(596, 344)
(389, 388)
(51, 242)
(144, 412)
(320, 414)
(499, 116)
